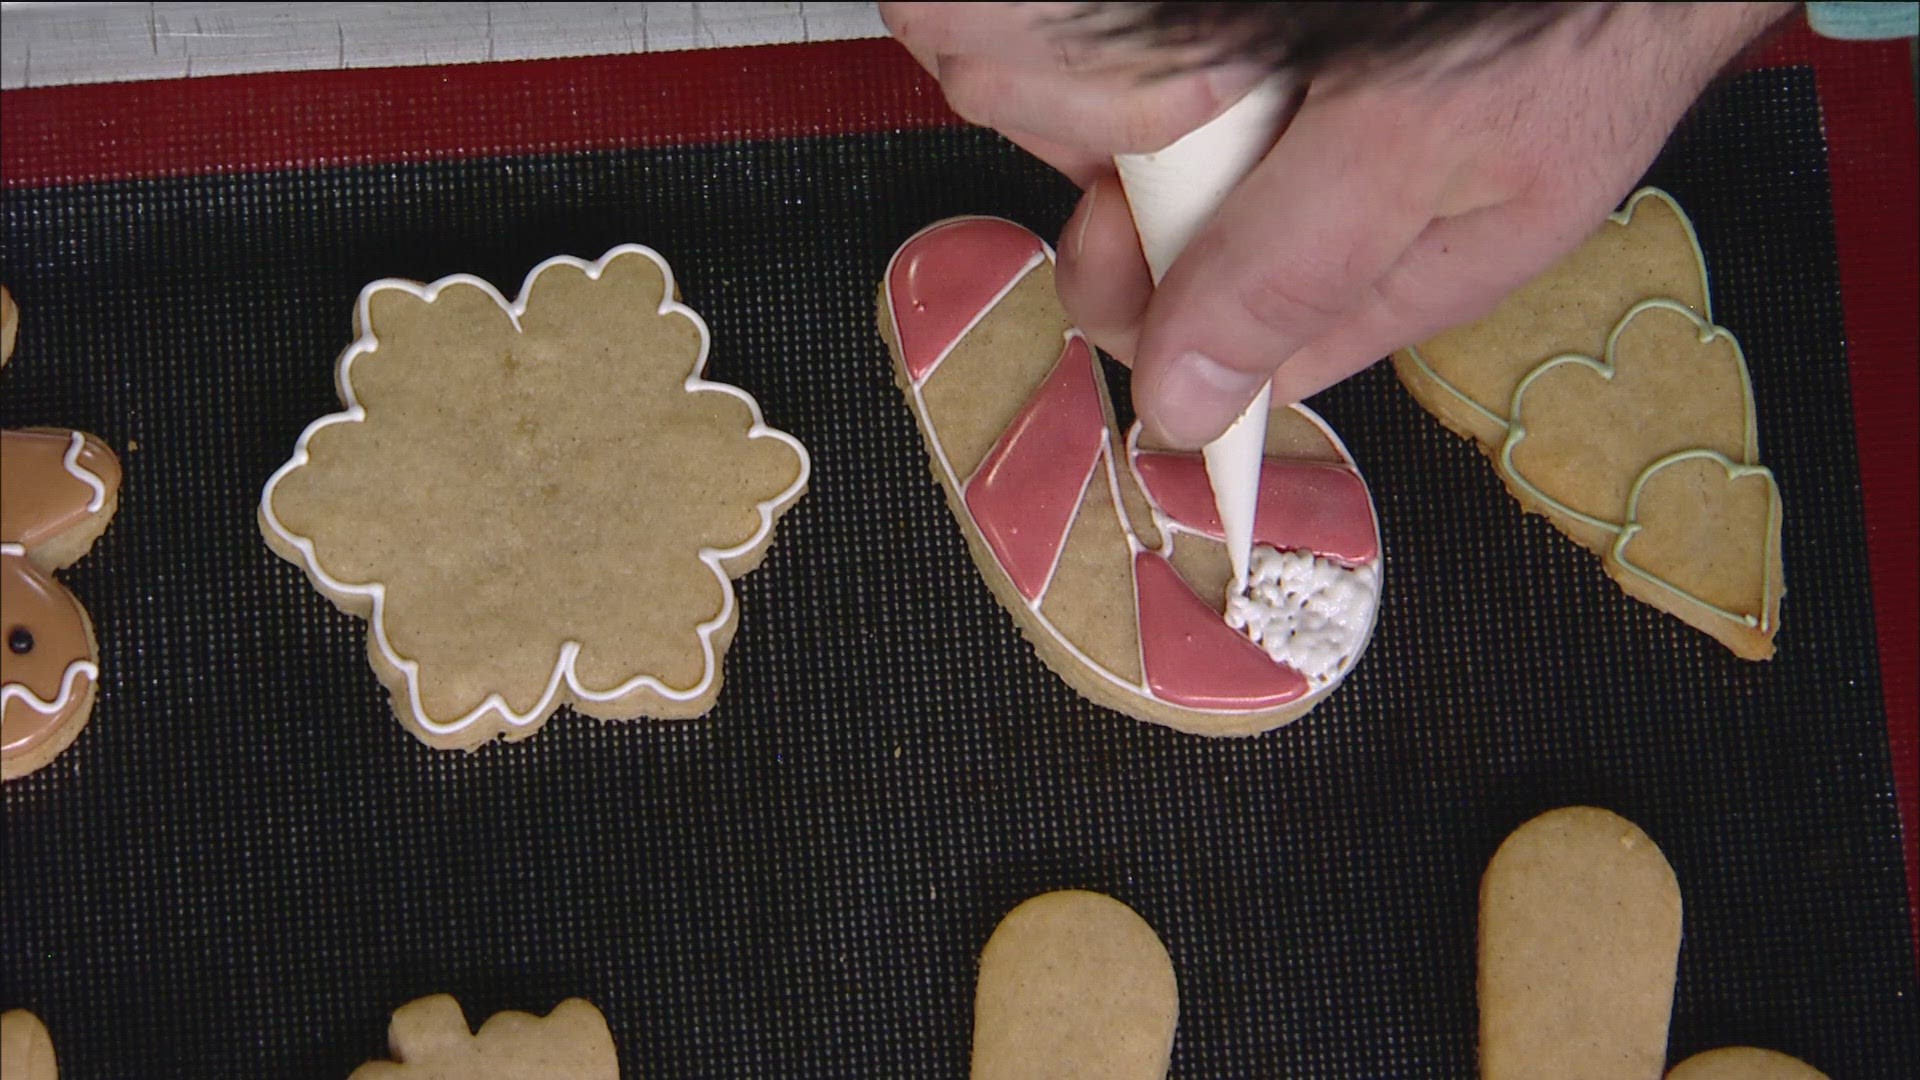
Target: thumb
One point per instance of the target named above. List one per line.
(1294, 251)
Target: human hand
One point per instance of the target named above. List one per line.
(1401, 201)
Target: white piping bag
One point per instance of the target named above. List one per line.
(1172, 193)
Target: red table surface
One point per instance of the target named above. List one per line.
(255, 123)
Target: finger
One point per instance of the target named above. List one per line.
(1102, 275)
(1031, 34)
(1079, 166)
(1095, 113)
(1458, 271)
(1292, 253)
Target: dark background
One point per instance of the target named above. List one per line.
(244, 865)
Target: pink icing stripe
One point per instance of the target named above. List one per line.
(1304, 505)
(1193, 658)
(943, 279)
(1027, 491)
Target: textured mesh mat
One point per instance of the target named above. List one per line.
(245, 864)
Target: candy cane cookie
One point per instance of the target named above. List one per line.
(1107, 551)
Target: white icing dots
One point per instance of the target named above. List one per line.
(1309, 613)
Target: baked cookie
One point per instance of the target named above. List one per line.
(538, 502)
(58, 491)
(1613, 406)
(429, 1040)
(1074, 985)
(1744, 1063)
(1107, 551)
(26, 1050)
(1580, 927)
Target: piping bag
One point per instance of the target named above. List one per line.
(1173, 192)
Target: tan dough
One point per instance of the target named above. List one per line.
(552, 501)
(1579, 946)
(9, 324)
(429, 1040)
(1074, 986)
(1588, 384)
(26, 1050)
(1744, 1063)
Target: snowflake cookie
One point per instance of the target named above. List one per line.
(537, 502)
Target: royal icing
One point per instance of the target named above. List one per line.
(1308, 612)
(45, 661)
(1312, 505)
(956, 272)
(1605, 367)
(1762, 620)
(1623, 216)
(1027, 492)
(52, 481)
(1193, 658)
(564, 664)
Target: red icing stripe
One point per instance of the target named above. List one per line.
(1193, 658)
(1304, 505)
(1024, 496)
(946, 277)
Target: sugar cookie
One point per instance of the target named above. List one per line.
(58, 491)
(1107, 552)
(429, 1040)
(26, 1050)
(535, 503)
(1606, 397)
(1074, 985)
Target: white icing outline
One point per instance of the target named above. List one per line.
(1622, 217)
(1134, 544)
(563, 668)
(1044, 255)
(76, 669)
(83, 474)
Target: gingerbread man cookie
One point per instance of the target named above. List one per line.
(58, 491)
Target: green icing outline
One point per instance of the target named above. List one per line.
(1750, 445)
(1735, 472)
(1622, 216)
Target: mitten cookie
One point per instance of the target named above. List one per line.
(1579, 949)
(535, 503)
(26, 1051)
(1106, 551)
(58, 491)
(1074, 985)
(429, 1040)
(1613, 406)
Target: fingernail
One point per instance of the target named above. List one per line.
(1086, 219)
(1198, 397)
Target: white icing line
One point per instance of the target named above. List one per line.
(76, 670)
(1044, 255)
(563, 668)
(18, 550)
(83, 474)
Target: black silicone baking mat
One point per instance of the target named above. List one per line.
(245, 864)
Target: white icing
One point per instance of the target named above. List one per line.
(1173, 193)
(83, 474)
(563, 668)
(1308, 612)
(1167, 526)
(76, 670)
